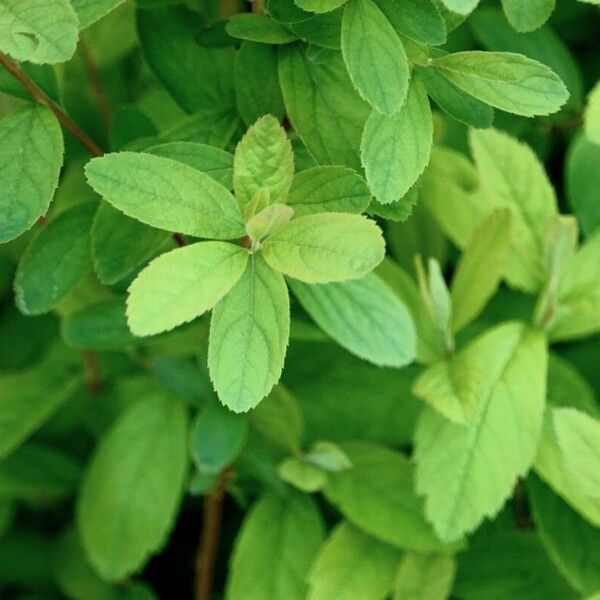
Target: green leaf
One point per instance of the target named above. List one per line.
(34, 135)
(466, 472)
(256, 82)
(513, 177)
(571, 542)
(328, 189)
(592, 115)
(353, 566)
(260, 225)
(198, 78)
(249, 333)
(375, 56)
(285, 11)
(279, 419)
(35, 472)
(322, 30)
(120, 244)
(210, 160)
(263, 159)
(323, 107)
(453, 101)
(325, 247)
(28, 398)
(166, 194)
(364, 316)
(275, 548)
(480, 268)
(582, 175)
(462, 7)
(578, 294)
(395, 149)
(182, 284)
(418, 20)
(301, 474)
(527, 16)
(377, 495)
(217, 437)
(329, 457)
(424, 577)
(100, 325)
(551, 467)
(55, 261)
(40, 31)
(133, 485)
(89, 11)
(259, 28)
(510, 82)
(578, 437)
(319, 6)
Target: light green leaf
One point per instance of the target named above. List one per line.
(27, 184)
(364, 316)
(133, 485)
(263, 159)
(418, 20)
(275, 548)
(28, 398)
(462, 7)
(395, 150)
(480, 268)
(550, 466)
(302, 474)
(377, 495)
(89, 11)
(259, 28)
(39, 31)
(592, 115)
(572, 543)
(374, 56)
(460, 106)
(466, 472)
(353, 566)
(328, 189)
(55, 261)
(323, 106)
(576, 312)
(527, 16)
(120, 244)
(582, 175)
(329, 457)
(424, 577)
(249, 333)
(257, 83)
(182, 284)
(217, 437)
(166, 194)
(578, 437)
(269, 218)
(510, 82)
(319, 6)
(325, 247)
(513, 177)
(210, 160)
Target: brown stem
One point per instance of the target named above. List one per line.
(209, 544)
(98, 91)
(91, 371)
(42, 98)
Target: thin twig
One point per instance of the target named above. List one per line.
(98, 90)
(211, 529)
(91, 371)
(42, 98)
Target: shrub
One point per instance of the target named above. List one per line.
(299, 299)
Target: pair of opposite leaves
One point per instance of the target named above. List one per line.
(243, 278)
